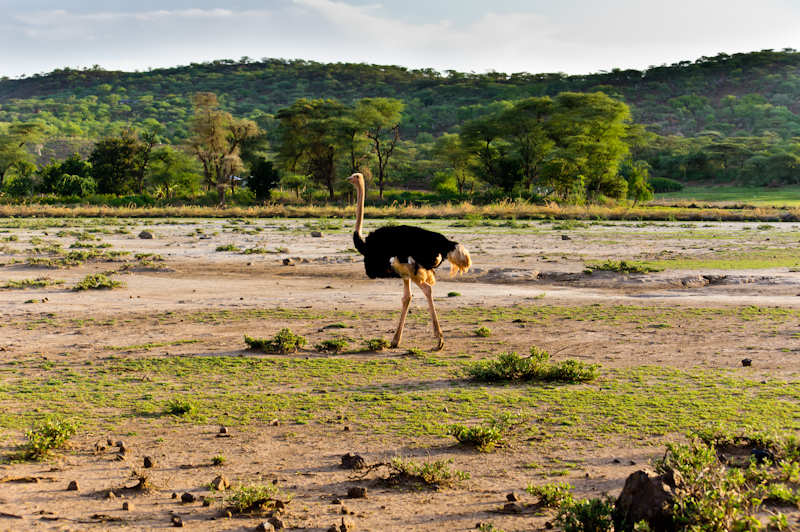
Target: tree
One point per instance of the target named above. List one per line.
(50, 174)
(636, 174)
(12, 145)
(483, 137)
(216, 141)
(381, 119)
(450, 149)
(263, 178)
(309, 139)
(173, 170)
(525, 125)
(114, 163)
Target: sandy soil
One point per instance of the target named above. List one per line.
(539, 268)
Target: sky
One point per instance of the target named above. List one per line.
(510, 36)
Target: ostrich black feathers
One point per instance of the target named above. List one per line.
(401, 242)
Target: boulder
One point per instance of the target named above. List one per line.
(649, 497)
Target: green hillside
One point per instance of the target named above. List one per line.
(732, 118)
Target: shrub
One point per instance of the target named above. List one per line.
(623, 266)
(254, 497)
(662, 184)
(509, 366)
(98, 281)
(283, 342)
(336, 346)
(552, 495)
(589, 515)
(218, 460)
(228, 247)
(47, 436)
(378, 344)
(180, 407)
(487, 436)
(434, 473)
(483, 332)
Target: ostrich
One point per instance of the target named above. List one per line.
(410, 253)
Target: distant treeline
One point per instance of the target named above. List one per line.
(724, 118)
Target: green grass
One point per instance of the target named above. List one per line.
(788, 195)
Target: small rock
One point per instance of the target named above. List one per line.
(111, 495)
(616, 461)
(223, 430)
(317, 234)
(353, 461)
(513, 496)
(274, 423)
(221, 483)
(565, 237)
(747, 362)
(123, 449)
(512, 508)
(119, 457)
(149, 462)
(265, 527)
(762, 455)
(127, 506)
(336, 501)
(280, 506)
(174, 495)
(357, 492)
(288, 262)
(334, 528)
(147, 235)
(99, 447)
(119, 443)
(73, 486)
(206, 502)
(346, 428)
(347, 525)
(109, 442)
(177, 521)
(188, 497)
(277, 522)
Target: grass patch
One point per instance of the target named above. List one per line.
(283, 342)
(98, 281)
(623, 266)
(46, 437)
(41, 282)
(252, 497)
(509, 366)
(435, 473)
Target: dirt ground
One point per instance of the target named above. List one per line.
(541, 268)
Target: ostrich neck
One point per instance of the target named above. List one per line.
(359, 209)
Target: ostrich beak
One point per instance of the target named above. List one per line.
(353, 179)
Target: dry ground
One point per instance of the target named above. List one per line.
(531, 269)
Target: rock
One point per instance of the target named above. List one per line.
(288, 262)
(357, 492)
(223, 430)
(347, 525)
(280, 506)
(265, 527)
(512, 508)
(177, 521)
(277, 522)
(513, 496)
(147, 235)
(353, 461)
(119, 457)
(317, 234)
(649, 497)
(565, 237)
(127, 506)
(747, 362)
(188, 497)
(275, 423)
(149, 462)
(759, 455)
(73, 486)
(221, 483)
(99, 447)
(111, 495)
(174, 495)
(119, 443)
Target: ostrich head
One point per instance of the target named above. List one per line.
(355, 179)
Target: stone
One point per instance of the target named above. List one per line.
(357, 492)
(317, 234)
(277, 522)
(223, 430)
(565, 237)
(188, 497)
(149, 462)
(512, 508)
(648, 496)
(73, 486)
(347, 525)
(353, 461)
(177, 521)
(147, 235)
(265, 527)
(513, 496)
(221, 483)
(747, 362)
(288, 262)
(127, 506)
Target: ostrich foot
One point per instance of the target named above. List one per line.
(440, 345)
(395, 342)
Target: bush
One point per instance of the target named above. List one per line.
(180, 407)
(336, 346)
(377, 344)
(589, 515)
(552, 495)
(47, 436)
(255, 497)
(623, 266)
(483, 332)
(487, 436)
(283, 342)
(98, 281)
(662, 184)
(509, 366)
(431, 473)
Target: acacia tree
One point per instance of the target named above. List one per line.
(309, 139)
(525, 125)
(12, 145)
(114, 160)
(381, 120)
(216, 141)
(450, 148)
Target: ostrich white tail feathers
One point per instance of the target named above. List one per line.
(459, 260)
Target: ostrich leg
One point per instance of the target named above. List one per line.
(398, 335)
(437, 330)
